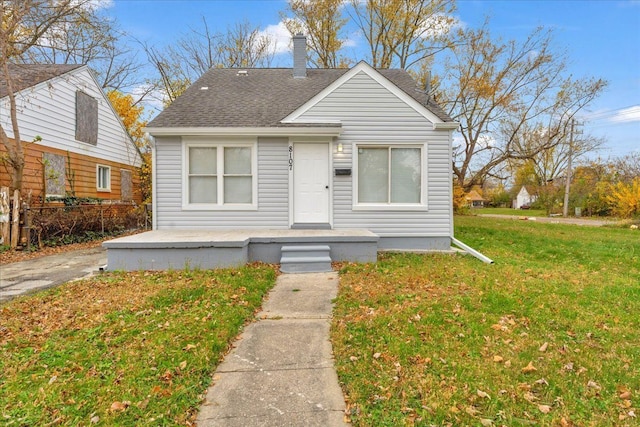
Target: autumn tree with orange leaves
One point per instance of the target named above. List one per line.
(132, 115)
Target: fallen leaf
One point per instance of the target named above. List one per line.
(95, 419)
(143, 404)
(545, 409)
(632, 414)
(471, 410)
(189, 347)
(118, 406)
(486, 422)
(542, 381)
(353, 358)
(183, 365)
(568, 366)
(530, 397)
(377, 355)
(497, 358)
(625, 395)
(529, 368)
(483, 394)
(53, 379)
(593, 384)
(543, 347)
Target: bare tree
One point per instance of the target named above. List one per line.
(92, 38)
(180, 64)
(24, 25)
(402, 33)
(501, 92)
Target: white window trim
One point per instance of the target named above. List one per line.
(422, 206)
(108, 187)
(219, 143)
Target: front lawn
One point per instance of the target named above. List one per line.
(128, 349)
(508, 211)
(549, 335)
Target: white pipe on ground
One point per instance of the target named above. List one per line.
(471, 251)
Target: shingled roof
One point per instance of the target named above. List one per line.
(262, 97)
(24, 76)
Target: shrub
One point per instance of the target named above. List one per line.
(624, 199)
(54, 226)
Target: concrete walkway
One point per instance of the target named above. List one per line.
(281, 371)
(23, 277)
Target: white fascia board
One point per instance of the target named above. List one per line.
(446, 126)
(246, 131)
(375, 75)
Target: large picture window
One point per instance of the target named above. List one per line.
(389, 175)
(220, 175)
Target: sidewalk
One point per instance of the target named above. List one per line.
(22, 277)
(281, 371)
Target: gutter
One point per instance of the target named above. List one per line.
(471, 251)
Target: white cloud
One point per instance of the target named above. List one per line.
(438, 25)
(280, 35)
(626, 115)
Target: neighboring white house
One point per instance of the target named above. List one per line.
(526, 196)
(302, 150)
(73, 139)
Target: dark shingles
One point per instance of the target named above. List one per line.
(261, 97)
(24, 76)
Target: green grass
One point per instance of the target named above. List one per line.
(123, 348)
(447, 340)
(508, 211)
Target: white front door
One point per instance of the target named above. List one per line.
(311, 184)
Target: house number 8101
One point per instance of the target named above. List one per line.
(291, 157)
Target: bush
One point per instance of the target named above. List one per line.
(54, 226)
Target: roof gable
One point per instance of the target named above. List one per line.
(24, 76)
(377, 75)
(263, 97)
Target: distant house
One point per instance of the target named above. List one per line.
(474, 199)
(74, 141)
(304, 156)
(526, 196)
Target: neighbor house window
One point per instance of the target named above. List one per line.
(220, 175)
(389, 175)
(103, 178)
(86, 118)
(54, 174)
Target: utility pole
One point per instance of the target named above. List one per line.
(567, 185)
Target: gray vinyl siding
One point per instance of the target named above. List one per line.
(369, 113)
(273, 190)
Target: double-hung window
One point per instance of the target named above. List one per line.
(390, 176)
(103, 178)
(220, 176)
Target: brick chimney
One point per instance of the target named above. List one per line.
(299, 56)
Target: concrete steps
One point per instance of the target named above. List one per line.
(305, 259)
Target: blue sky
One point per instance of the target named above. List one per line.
(602, 39)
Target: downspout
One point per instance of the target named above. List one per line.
(458, 243)
(470, 250)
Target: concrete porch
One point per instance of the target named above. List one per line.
(206, 249)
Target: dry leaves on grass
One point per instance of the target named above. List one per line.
(76, 305)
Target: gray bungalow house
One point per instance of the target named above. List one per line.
(349, 161)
